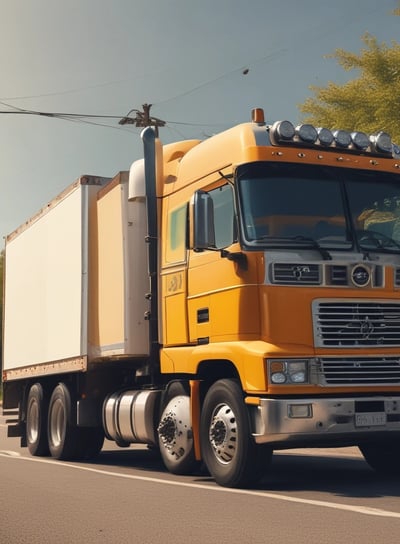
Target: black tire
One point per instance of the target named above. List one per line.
(36, 421)
(62, 430)
(228, 449)
(175, 435)
(383, 457)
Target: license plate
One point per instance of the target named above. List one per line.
(370, 419)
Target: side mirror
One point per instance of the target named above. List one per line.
(203, 219)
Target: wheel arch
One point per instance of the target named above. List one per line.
(211, 370)
(208, 372)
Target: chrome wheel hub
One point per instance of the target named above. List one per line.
(57, 423)
(175, 429)
(223, 433)
(33, 419)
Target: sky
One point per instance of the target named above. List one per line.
(203, 65)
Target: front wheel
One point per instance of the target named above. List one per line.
(228, 449)
(383, 457)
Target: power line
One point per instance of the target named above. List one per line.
(21, 111)
(141, 118)
(243, 70)
(72, 117)
(68, 91)
(87, 122)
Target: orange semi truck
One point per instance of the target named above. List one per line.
(224, 299)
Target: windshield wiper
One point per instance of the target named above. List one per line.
(381, 241)
(314, 244)
(311, 243)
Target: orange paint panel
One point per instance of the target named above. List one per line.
(175, 320)
(286, 315)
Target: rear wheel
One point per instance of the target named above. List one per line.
(228, 449)
(383, 458)
(175, 435)
(36, 421)
(62, 429)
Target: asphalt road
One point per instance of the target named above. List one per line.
(126, 496)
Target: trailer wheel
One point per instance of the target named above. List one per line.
(228, 449)
(383, 457)
(36, 421)
(175, 435)
(62, 430)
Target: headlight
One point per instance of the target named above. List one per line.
(288, 371)
(297, 372)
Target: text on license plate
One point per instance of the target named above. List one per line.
(370, 419)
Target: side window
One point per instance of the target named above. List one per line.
(176, 238)
(224, 218)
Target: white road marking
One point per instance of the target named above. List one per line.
(350, 453)
(365, 510)
(9, 453)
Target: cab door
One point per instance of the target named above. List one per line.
(217, 286)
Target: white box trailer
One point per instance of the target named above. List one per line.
(76, 327)
(46, 286)
(75, 282)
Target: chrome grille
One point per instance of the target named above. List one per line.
(359, 371)
(356, 324)
(296, 274)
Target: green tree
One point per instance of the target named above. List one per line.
(371, 101)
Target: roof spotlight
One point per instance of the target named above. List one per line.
(360, 140)
(285, 133)
(342, 138)
(284, 130)
(325, 136)
(382, 142)
(307, 133)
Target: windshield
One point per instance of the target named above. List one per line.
(290, 205)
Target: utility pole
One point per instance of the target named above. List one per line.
(142, 119)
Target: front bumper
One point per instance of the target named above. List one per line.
(324, 421)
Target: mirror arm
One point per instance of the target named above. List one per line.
(237, 257)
